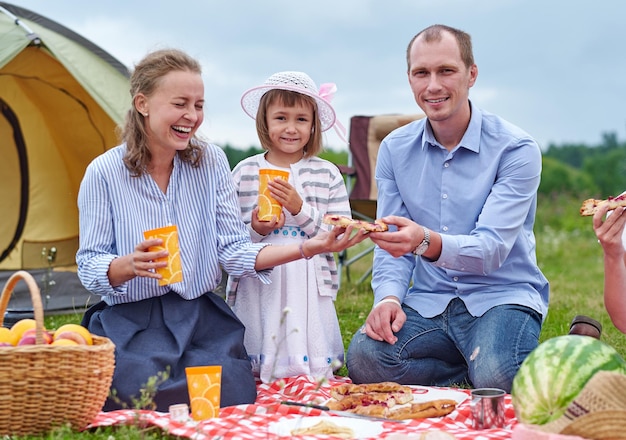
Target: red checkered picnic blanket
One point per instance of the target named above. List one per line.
(258, 420)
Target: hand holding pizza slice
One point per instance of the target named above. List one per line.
(344, 222)
(590, 206)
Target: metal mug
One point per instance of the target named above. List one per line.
(487, 407)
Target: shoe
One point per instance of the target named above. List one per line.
(585, 326)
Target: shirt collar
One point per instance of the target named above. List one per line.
(471, 138)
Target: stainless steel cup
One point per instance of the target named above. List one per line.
(487, 407)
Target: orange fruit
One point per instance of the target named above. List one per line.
(20, 327)
(75, 332)
(201, 408)
(6, 336)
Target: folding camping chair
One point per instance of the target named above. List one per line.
(366, 134)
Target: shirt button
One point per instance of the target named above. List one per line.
(446, 165)
(456, 279)
(444, 196)
(445, 228)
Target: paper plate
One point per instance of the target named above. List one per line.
(362, 428)
(425, 394)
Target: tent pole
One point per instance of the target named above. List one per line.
(33, 37)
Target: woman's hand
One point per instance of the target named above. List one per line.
(140, 263)
(335, 240)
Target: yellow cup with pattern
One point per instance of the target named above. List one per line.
(173, 272)
(204, 384)
(268, 206)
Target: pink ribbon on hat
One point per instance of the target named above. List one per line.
(327, 92)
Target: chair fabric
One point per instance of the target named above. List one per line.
(366, 135)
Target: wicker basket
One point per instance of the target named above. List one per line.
(44, 386)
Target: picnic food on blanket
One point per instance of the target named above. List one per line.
(555, 372)
(590, 206)
(344, 222)
(325, 427)
(268, 205)
(173, 272)
(386, 399)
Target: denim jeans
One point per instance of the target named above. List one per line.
(452, 349)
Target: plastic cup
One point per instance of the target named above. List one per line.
(204, 385)
(268, 206)
(173, 272)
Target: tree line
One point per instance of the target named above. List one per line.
(578, 170)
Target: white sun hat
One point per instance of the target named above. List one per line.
(297, 82)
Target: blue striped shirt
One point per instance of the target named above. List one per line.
(116, 208)
(481, 197)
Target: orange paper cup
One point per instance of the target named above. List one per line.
(173, 272)
(268, 206)
(204, 385)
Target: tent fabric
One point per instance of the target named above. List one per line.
(61, 99)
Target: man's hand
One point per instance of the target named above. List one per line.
(402, 241)
(384, 320)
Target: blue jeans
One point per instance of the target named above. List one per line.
(452, 349)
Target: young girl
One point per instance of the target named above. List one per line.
(291, 324)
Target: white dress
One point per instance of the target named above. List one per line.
(290, 329)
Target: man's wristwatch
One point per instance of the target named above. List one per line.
(423, 246)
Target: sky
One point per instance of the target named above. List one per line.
(555, 68)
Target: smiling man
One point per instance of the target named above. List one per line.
(458, 296)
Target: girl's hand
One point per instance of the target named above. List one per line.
(286, 195)
(265, 228)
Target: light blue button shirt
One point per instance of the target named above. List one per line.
(116, 208)
(481, 197)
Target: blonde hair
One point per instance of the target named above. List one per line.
(146, 79)
(290, 99)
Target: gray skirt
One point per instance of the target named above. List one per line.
(169, 331)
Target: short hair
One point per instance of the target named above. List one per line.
(434, 33)
(289, 98)
(145, 79)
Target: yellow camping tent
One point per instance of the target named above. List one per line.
(61, 98)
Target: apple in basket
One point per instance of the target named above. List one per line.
(29, 337)
(72, 332)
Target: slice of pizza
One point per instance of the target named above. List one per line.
(424, 410)
(344, 222)
(354, 402)
(590, 206)
(401, 393)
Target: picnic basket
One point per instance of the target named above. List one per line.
(45, 386)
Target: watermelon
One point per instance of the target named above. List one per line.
(555, 372)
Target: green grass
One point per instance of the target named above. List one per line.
(567, 253)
